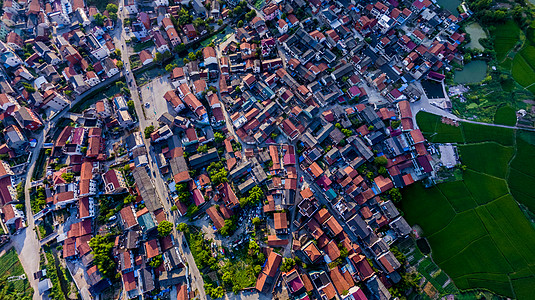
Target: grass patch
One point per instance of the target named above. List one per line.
(138, 47)
(134, 61)
(505, 115)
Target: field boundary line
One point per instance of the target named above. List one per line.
(504, 233)
(469, 244)
(456, 212)
(515, 144)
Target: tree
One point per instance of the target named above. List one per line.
(113, 16)
(256, 221)
(228, 228)
(257, 269)
(179, 48)
(287, 264)
(68, 177)
(158, 57)
(202, 148)
(129, 199)
(250, 15)
(254, 249)
(347, 132)
(395, 194)
(395, 124)
(218, 137)
(182, 227)
(240, 24)
(220, 22)
(148, 131)
(156, 261)
(197, 23)
(218, 292)
(381, 160)
(184, 17)
(191, 56)
(102, 245)
(256, 194)
(111, 7)
(131, 106)
(382, 171)
(343, 252)
(169, 67)
(164, 228)
(120, 64)
(99, 19)
(227, 277)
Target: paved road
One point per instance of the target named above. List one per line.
(424, 105)
(193, 270)
(26, 242)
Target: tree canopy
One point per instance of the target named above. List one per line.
(164, 228)
(102, 245)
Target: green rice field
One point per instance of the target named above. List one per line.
(505, 115)
(478, 234)
(506, 37)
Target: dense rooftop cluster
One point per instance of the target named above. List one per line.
(298, 127)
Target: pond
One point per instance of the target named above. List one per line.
(476, 32)
(451, 5)
(473, 72)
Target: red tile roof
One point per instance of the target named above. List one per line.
(151, 248)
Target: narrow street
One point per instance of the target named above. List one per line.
(119, 39)
(26, 242)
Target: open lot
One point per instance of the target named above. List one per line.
(153, 92)
(478, 233)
